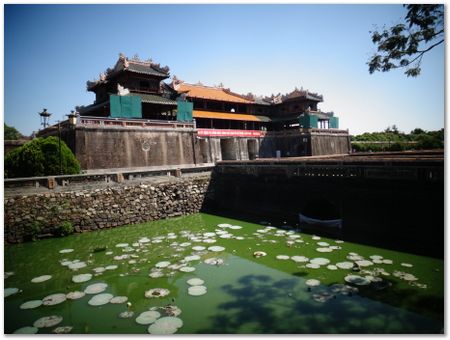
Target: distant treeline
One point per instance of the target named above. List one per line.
(392, 139)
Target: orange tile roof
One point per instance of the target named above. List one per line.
(230, 116)
(212, 93)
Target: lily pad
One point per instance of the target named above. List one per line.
(319, 261)
(162, 264)
(148, 317)
(324, 250)
(282, 257)
(31, 304)
(165, 325)
(75, 295)
(156, 293)
(10, 291)
(214, 261)
(62, 330)
(41, 278)
(344, 265)
(197, 290)
(65, 251)
(81, 278)
(100, 299)
(297, 258)
(48, 321)
(126, 314)
(357, 280)
(54, 299)
(312, 282)
(195, 282)
(26, 330)
(187, 269)
(77, 265)
(118, 299)
(95, 288)
(259, 253)
(216, 248)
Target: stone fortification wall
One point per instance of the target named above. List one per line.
(103, 148)
(103, 207)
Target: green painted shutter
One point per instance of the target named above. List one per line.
(115, 107)
(334, 123)
(125, 106)
(184, 111)
(308, 121)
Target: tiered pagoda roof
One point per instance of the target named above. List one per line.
(134, 65)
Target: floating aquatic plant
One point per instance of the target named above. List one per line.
(319, 261)
(297, 258)
(31, 304)
(126, 314)
(214, 261)
(259, 253)
(195, 282)
(282, 257)
(357, 280)
(95, 288)
(10, 291)
(147, 317)
(62, 330)
(344, 265)
(75, 295)
(187, 269)
(48, 321)
(312, 282)
(216, 248)
(165, 325)
(197, 290)
(41, 278)
(26, 330)
(65, 251)
(54, 299)
(81, 278)
(156, 293)
(100, 299)
(118, 299)
(162, 264)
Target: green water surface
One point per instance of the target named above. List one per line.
(246, 294)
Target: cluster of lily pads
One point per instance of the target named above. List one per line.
(189, 248)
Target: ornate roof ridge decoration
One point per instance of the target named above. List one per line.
(296, 93)
(124, 63)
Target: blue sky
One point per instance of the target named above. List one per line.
(50, 51)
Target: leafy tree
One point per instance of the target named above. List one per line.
(417, 131)
(11, 133)
(40, 157)
(403, 45)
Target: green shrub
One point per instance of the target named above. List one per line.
(40, 157)
(32, 230)
(64, 229)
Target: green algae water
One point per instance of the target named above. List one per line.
(252, 278)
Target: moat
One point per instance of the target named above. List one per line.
(259, 278)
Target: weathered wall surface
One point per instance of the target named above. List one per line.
(290, 144)
(330, 144)
(126, 148)
(10, 145)
(105, 207)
